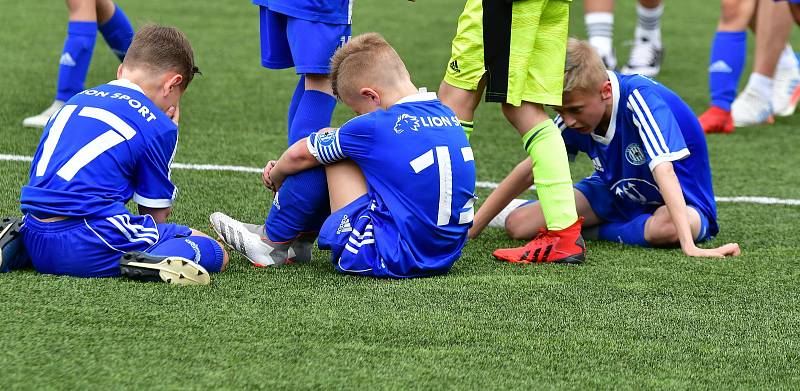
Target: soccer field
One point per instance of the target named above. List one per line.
(627, 318)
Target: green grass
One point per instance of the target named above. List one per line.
(628, 318)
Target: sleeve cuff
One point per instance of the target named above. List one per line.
(668, 157)
(152, 203)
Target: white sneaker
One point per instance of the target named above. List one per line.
(645, 58)
(786, 91)
(749, 108)
(40, 120)
(610, 60)
(499, 221)
(250, 241)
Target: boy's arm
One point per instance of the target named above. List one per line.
(520, 179)
(295, 159)
(160, 215)
(671, 191)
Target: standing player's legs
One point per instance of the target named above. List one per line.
(85, 17)
(524, 51)
(647, 51)
(598, 15)
(463, 83)
(728, 54)
(754, 106)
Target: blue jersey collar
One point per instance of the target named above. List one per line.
(127, 84)
(612, 123)
(422, 96)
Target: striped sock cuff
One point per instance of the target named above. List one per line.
(468, 127)
(527, 139)
(649, 18)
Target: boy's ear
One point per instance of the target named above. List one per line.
(119, 71)
(605, 91)
(370, 94)
(172, 82)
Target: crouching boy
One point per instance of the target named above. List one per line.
(652, 179)
(401, 176)
(105, 146)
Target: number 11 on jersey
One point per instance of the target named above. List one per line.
(444, 162)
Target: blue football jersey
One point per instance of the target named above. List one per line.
(106, 145)
(420, 175)
(325, 11)
(649, 125)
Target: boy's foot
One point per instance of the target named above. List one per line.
(12, 253)
(40, 120)
(786, 91)
(716, 120)
(250, 241)
(750, 109)
(173, 270)
(563, 246)
(645, 58)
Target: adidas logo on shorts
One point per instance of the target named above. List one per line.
(344, 226)
(276, 202)
(454, 66)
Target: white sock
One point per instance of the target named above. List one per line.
(648, 26)
(761, 85)
(788, 59)
(600, 27)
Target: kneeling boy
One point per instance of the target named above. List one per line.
(652, 179)
(105, 146)
(401, 176)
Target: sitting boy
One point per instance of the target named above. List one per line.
(652, 179)
(401, 176)
(105, 146)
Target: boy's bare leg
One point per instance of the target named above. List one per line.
(346, 183)
(318, 82)
(773, 26)
(524, 222)
(81, 10)
(660, 230)
(795, 12)
(462, 102)
(598, 15)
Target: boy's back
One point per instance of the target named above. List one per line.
(107, 145)
(420, 177)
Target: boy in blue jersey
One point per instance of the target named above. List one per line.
(107, 145)
(401, 176)
(652, 180)
(303, 34)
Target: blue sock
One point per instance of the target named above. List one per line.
(296, 96)
(631, 232)
(728, 55)
(118, 32)
(302, 203)
(75, 58)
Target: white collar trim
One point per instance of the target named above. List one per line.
(127, 84)
(422, 96)
(612, 123)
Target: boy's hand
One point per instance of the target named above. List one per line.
(266, 179)
(730, 249)
(174, 113)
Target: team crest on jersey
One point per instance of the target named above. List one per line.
(326, 139)
(406, 122)
(634, 154)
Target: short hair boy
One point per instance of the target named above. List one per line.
(401, 176)
(105, 146)
(652, 181)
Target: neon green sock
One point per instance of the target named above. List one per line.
(551, 174)
(467, 125)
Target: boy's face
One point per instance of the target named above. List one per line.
(585, 111)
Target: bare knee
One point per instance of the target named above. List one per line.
(735, 15)
(661, 233)
(518, 226)
(224, 258)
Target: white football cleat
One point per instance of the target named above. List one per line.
(749, 109)
(645, 58)
(172, 270)
(250, 241)
(40, 120)
(786, 91)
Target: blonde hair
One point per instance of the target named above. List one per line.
(584, 69)
(366, 60)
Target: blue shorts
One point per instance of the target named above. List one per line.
(291, 42)
(607, 207)
(93, 247)
(349, 234)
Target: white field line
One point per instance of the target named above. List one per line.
(485, 185)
